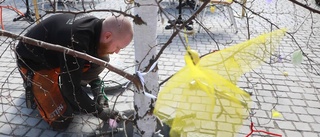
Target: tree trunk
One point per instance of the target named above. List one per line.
(145, 51)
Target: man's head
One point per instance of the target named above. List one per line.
(116, 34)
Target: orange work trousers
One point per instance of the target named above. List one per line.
(46, 92)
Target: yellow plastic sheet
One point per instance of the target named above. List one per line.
(202, 99)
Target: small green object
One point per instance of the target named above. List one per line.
(102, 91)
(297, 58)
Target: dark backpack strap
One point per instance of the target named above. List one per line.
(30, 103)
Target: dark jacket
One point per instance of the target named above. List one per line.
(78, 32)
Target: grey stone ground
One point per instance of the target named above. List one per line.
(295, 96)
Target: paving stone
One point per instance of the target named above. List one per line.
(3, 135)
(317, 118)
(269, 87)
(290, 116)
(315, 127)
(255, 105)
(282, 94)
(18, 101)
(313, 111)
(20, 130)
(13, 109)
(260, 113)
(194, 99)
(266, 106)
(280, 85)
(7, 129)
(33, 132)
(43, 125)
(276, 131)
(285, 125)
(26, 111)
(299, 102)
(264, 122)
(309, 134)
(299, 110)
(265, 93)
(6, 117)
(291, 133)
(285, 101)
(304, 79)
(88, 128)
(4, 107)
(311, 97)
(270, 76)
(302, 126)
(295, 95)
(74, 128)
(306, 118)
(16, 93)
(124, 107)
(241, 135)
(18, 120)
(296, 89)
(244, 129)
(290, 83)
(48, 133)
(258, 98)
(270, 99)
(314, 104)
(283, 108)
(66, 134)
(32, 121)
(198, 107)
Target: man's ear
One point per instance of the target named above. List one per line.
(107, 37)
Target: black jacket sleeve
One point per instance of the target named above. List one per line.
(71, 73)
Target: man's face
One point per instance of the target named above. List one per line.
(114, 46)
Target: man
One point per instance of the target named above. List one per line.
(53, 80)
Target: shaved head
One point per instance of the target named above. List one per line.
(116, 34)
(119, 25)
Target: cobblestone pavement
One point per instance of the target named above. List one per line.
(295, 96)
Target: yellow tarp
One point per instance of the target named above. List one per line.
(202, 99)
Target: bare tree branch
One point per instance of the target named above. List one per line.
(305, 6)
(136, 19)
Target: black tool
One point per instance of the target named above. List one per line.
(179, 20)
(190, 3)
(28, 15)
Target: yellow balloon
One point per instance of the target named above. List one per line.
(212, 9)
(276, 114)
